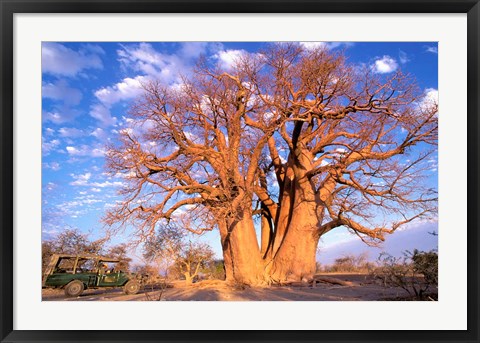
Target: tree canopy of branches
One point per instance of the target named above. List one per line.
(299, 138)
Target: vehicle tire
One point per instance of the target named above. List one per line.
(74, 288)
(131, 287)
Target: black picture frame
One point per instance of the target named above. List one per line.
(9, 7)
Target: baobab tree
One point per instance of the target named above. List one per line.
(297, 139)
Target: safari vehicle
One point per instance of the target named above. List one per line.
(75, 273)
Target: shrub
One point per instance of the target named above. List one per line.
(415, 272)
(215, 270)
(426, 263)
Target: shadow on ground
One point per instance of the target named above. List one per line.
(363, 289)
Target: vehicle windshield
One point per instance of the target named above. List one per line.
(65, 265)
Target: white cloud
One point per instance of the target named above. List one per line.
(143, 52)
(385, 65)
(107, 184)
(69, 207)
(73, 151)
(144, 58)
(57, 59)
(53, 117)
(50, 232)
(60, 115)
(85, 150)
(70, 132)
(313, 45)
(431, 94)
(164, 67)
(97, 49)
(431, 49)
(429, 99)
(97, 152)
(91, 201)
(102, 114)
(49, 131)
(49, 146)
(64, 97)
(150, 64)
(55, 166)
(228, 58)
(61, 91)
(193, 49)
(99, 133)
(85, 180)
(403, 57)
(127, 89)
(326, 45)
(97, 185)
(51, 186)
(80, 180)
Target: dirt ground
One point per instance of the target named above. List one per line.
(363, 288)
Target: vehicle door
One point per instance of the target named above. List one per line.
(108, 279)
(107, 275)
(86, 271)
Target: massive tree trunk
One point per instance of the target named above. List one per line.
(243, 262)
(295, 259)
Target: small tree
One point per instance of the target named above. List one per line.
(120, 252)
(192, 259)
(343, 264)
(170, 250)
(162, 248)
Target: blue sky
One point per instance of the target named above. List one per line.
(87, 89)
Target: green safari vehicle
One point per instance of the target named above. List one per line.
(75, 273)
